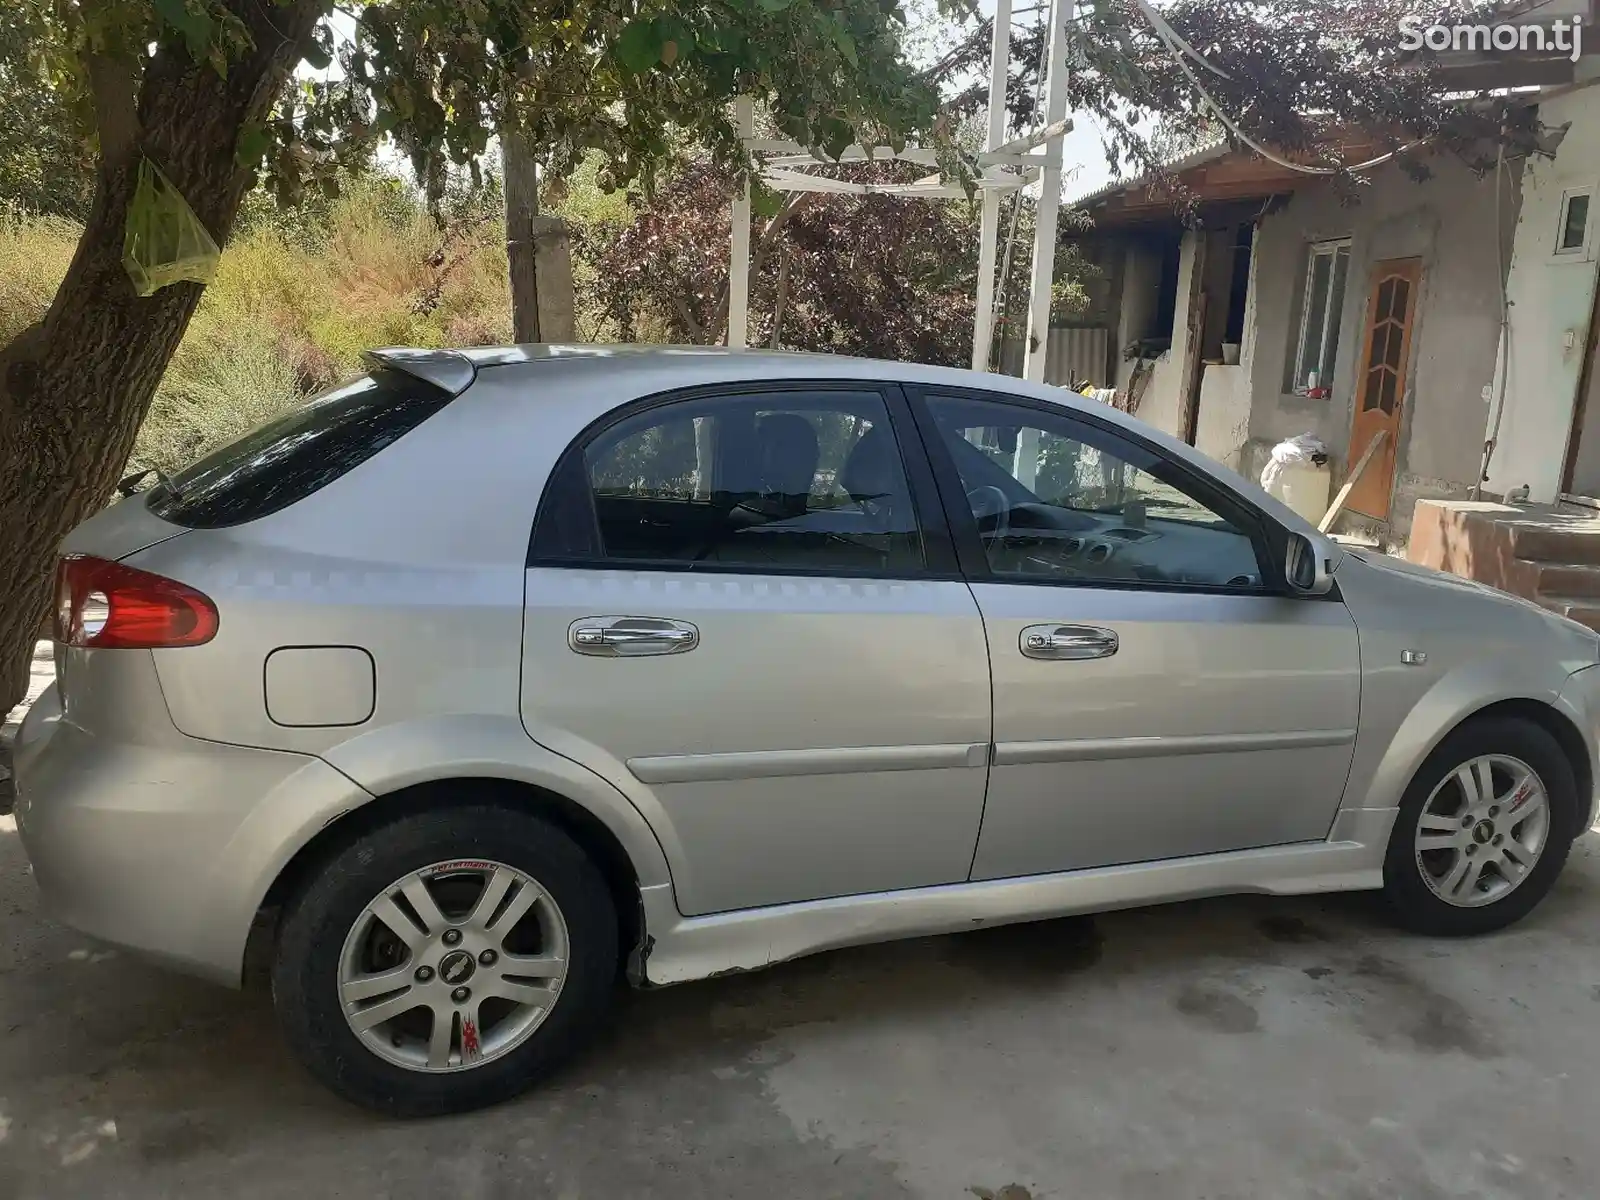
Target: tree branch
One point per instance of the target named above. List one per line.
(959, 55)
(718, 324)
(696, 330)
(781, 301)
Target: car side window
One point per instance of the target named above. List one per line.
(1057, 499)
(809, 481)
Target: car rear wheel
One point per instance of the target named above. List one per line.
(446, 961)
(1483, 831)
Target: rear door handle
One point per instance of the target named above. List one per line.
(631, 637)
(1068, 642)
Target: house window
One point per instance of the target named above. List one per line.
(1317, 346)
(1572, 232)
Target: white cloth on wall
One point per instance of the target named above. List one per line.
(1302, 448)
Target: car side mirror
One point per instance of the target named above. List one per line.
(1306, 568)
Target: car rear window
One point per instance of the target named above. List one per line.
(287, 459)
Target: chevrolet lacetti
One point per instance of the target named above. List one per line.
(497, 675)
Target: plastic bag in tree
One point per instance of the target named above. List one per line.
(165, 242)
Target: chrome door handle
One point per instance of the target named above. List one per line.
(1068, 642)
(631, 637)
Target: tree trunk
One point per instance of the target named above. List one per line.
(522, 211)
(74, 390)
(796, 204)
(779, 303)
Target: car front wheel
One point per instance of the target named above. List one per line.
(446, 961)
(1483, 830)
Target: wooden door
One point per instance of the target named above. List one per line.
(1381, 387)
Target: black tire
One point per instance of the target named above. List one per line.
(1410, 900)
(306, 964)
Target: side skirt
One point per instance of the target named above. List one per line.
(678, 948)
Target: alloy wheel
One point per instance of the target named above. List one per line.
(1482, 831)
(453, 966)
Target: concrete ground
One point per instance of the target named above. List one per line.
(1233, 1048)
(1238, 1048)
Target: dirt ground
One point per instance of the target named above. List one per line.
(1234, 1048)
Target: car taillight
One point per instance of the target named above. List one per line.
(109, 606)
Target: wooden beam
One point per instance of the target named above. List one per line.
(1332, 514)
(1037, 138)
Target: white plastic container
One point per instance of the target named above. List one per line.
(1304, 487)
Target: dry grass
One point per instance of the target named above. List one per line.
(294, 303)
(34, 253)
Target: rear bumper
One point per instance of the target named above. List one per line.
(166, 849)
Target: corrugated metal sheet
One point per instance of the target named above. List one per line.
(1081, 353)
(1204, 153)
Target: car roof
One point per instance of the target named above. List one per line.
(680, 365)
(685, 364)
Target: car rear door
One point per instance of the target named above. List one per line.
(743, 609)
(1157, 694)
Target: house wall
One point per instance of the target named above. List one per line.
(1585, 479)
(1247, 345)
(1223, 428)
(1223, 417)
(1551, 302)
(1160, 404)
(1448, 221)
(1163, 399)
(1141, 287)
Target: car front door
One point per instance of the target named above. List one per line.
(1157, 694)
(743, 609)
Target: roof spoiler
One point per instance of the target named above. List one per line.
(444, 369)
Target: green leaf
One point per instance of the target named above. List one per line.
(765, 202)
(836, 136)
(253, 143)
(846, 42)
(774, 5)
(639, 47)
(192, 24)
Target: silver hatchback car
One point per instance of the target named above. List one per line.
(499, 674)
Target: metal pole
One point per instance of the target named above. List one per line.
(739, 253)
(1044, 236)
(989, 225)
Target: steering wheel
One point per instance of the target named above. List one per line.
(990, 503)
